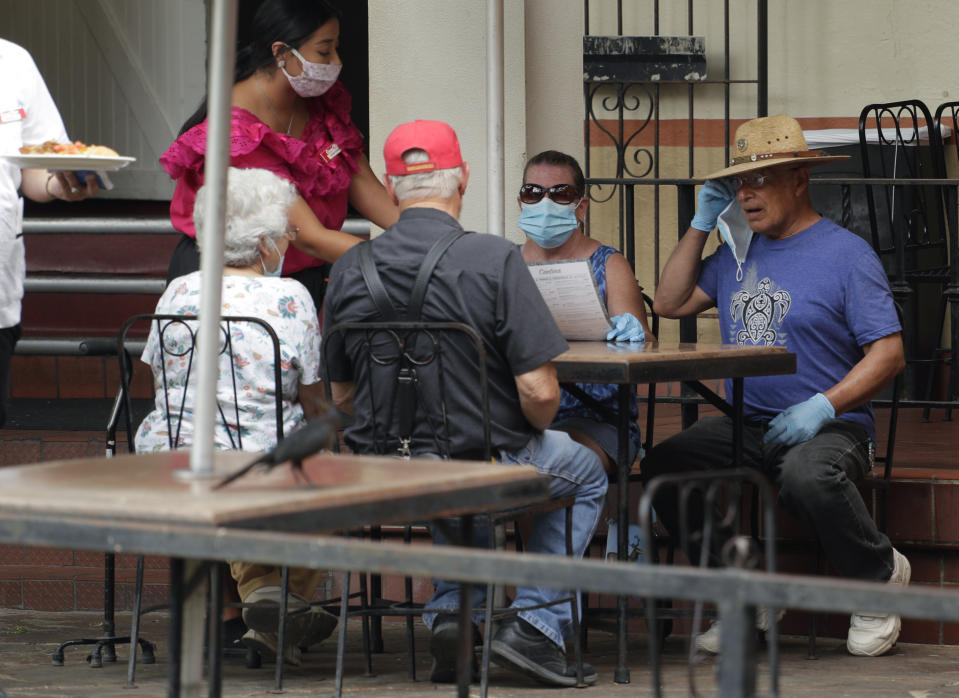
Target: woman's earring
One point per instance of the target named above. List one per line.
(281, 63)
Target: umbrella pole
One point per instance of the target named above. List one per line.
(219, 86)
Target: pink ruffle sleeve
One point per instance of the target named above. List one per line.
(321, 163)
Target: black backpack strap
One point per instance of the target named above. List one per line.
(418, 294)
(377, 291)
(374, 284)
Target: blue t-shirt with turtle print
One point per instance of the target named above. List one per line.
(821, 293)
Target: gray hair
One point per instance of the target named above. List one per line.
(434, 184)
(257, 205)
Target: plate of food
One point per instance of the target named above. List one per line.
(69, 156)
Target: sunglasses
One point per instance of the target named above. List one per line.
(754, 181)
(751, 181)
(561, 194)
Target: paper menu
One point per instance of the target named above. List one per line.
(570, 292)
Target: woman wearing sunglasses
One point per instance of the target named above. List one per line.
(553, 205)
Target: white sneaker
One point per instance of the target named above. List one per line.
(872, 634)
(709, 640)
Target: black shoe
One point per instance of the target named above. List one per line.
(233, 631)
(518, 645)
(322, 625)
(444, 644)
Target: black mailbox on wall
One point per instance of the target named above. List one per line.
(644, 58)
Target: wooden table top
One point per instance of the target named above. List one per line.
(347, 491)
(660, 362)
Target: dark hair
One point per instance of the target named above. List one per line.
(289, 21)
(556, 158)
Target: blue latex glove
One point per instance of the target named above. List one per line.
(713, 198)
(626, 328)
(800, 422)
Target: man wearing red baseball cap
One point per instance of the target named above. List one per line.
(436, 138)
(482, 281)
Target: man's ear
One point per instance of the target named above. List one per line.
(802, 180)
(465, 178)
(389, 189)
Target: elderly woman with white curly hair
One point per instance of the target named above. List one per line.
(257, 236)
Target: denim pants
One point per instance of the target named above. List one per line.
(574, 471)
(816, 479)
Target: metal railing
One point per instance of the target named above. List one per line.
(102, 283)
(131, 225)
(737, 592)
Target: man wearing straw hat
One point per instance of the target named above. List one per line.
(789, 277)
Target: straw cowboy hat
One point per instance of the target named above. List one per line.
(769, 142)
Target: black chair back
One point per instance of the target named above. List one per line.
(908, 225)
(177, 342)
(413, 359)
(947, 117)
(903, 219)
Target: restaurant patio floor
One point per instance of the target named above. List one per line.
(28, 637)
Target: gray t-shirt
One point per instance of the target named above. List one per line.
(481, 281)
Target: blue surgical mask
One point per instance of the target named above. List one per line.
(548, 223)
(276, 272)
(737, 234)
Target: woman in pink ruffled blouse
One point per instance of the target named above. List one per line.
(290, 116)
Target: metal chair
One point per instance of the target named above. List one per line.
(104, 649)
(409, 357)
(176, 341)
(719, 496)
(947, 116)
(907, 224)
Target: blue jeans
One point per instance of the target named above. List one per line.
(816, 479)
(574, 471)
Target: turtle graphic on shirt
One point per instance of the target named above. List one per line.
(757, 313)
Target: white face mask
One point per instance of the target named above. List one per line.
(315, 78)
(736, 232)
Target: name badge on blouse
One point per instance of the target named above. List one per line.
(331, 152)
(18, 114)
